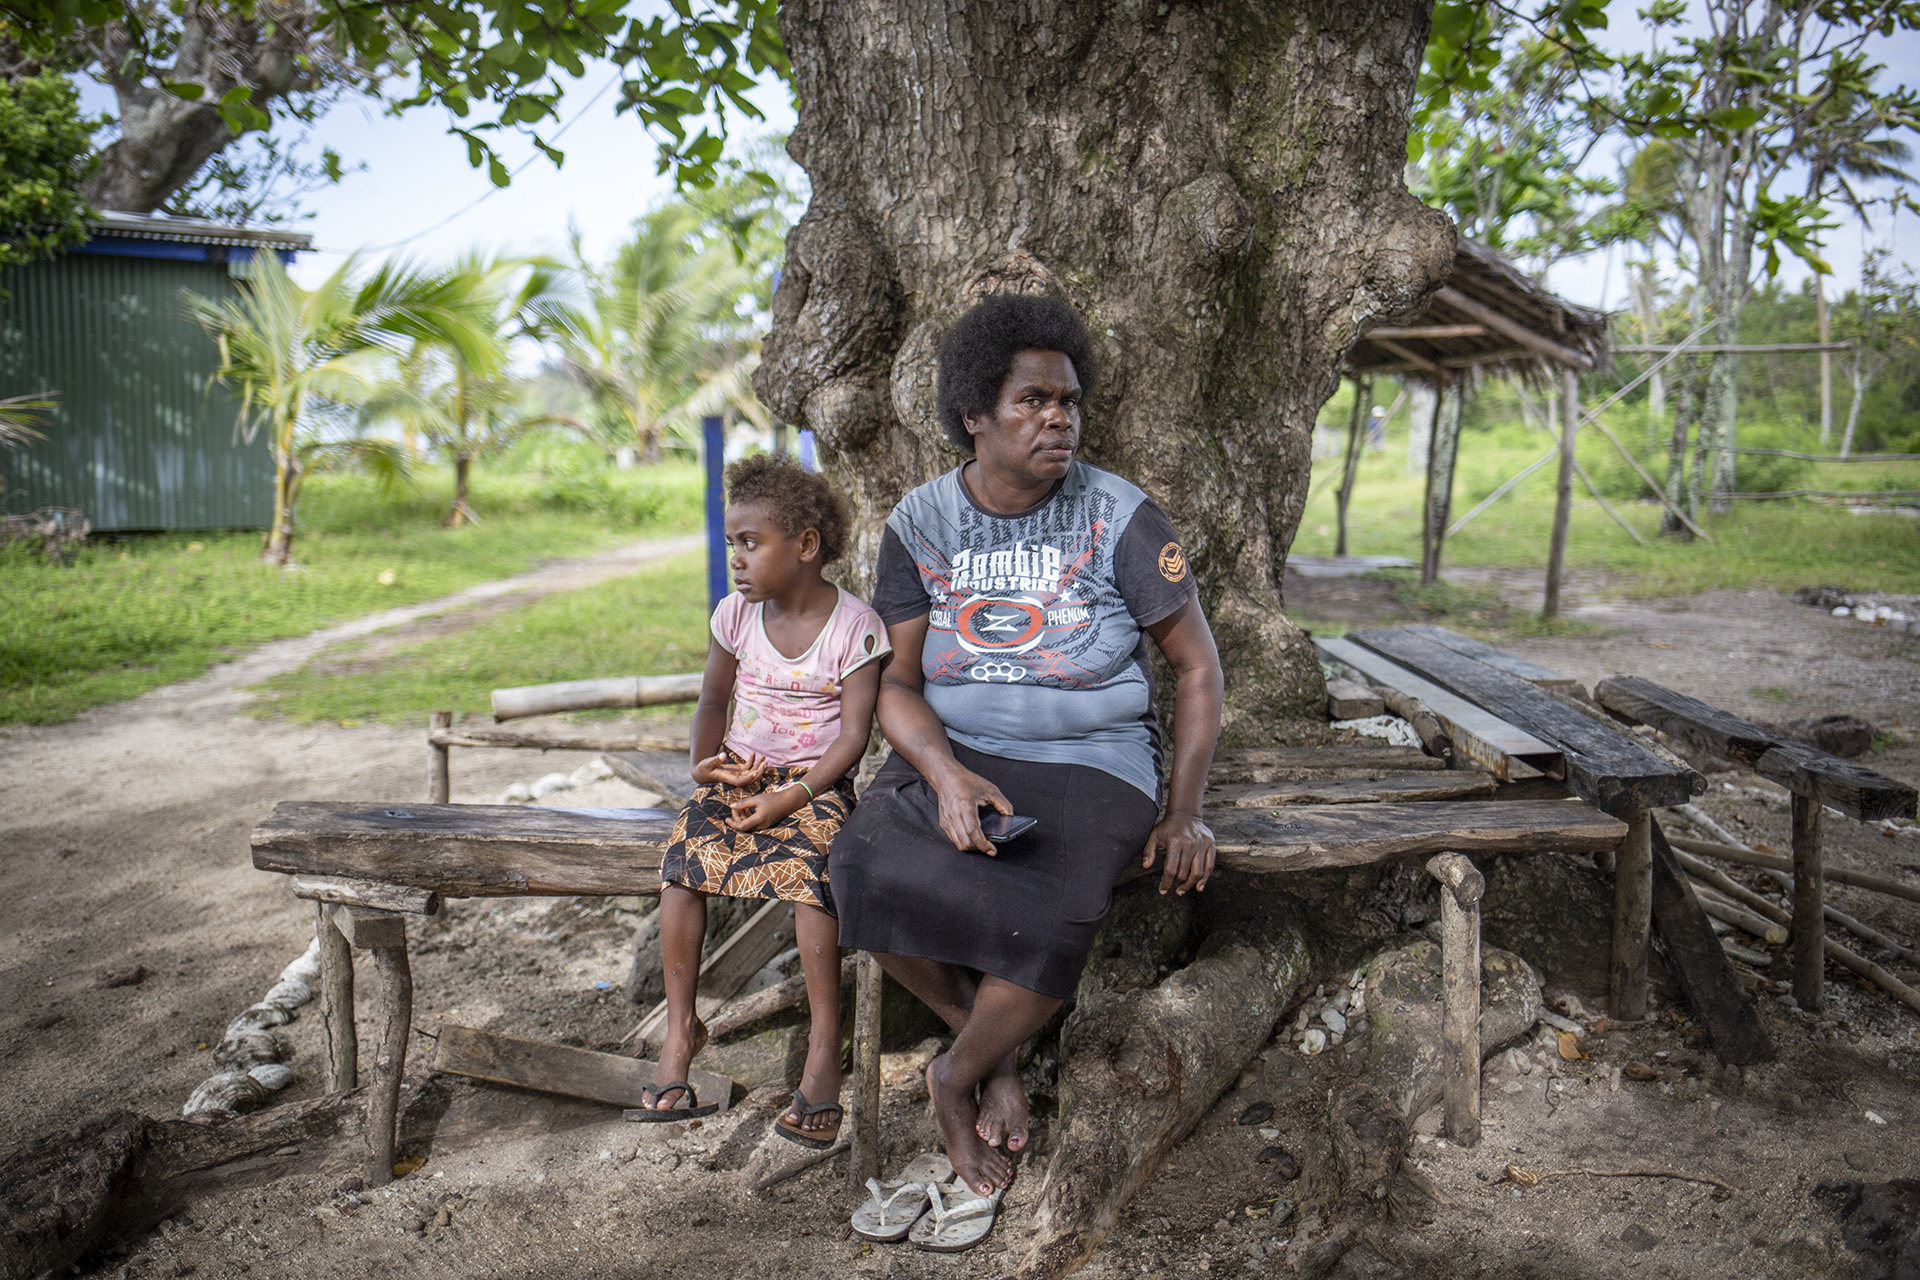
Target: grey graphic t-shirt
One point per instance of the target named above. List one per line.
(1034, 648)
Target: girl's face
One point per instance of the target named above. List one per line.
(767, 560)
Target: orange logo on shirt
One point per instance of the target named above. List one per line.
(1173, 562)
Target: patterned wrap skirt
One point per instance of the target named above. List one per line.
(787, 861)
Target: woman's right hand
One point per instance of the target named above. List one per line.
(962, 794)
(718, 768)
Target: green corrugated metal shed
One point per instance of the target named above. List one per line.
(142, 438)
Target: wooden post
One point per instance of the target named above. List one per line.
(1460, 981)
(1809, 923)
(342, 1068)
(1826, 358)
(440, 765)
(389, 1061)
(1440, 455)
(1356, 433)
(1563, 493)
(865, 1157)
(1632, 918)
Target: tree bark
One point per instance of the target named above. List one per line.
(1218, 191)
(460, 513)
(165, 139)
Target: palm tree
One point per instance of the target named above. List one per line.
(18, 416)
(299, 358)
(662, 338)
(464, 401)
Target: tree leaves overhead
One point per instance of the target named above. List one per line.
(45, 149)
(493, 64)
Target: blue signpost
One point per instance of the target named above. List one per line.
(715, 434)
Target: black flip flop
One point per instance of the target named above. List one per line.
(818, 1139)
(654, 1113)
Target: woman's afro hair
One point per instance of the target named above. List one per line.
(796, 498)
(978, 351)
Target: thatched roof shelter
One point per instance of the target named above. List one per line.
(1486, 316)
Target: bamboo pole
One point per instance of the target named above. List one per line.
(1774, 862)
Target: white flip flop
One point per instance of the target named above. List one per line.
(957, 1218)
(895, 1204)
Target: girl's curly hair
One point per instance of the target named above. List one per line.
(796, 498)
(978, 351)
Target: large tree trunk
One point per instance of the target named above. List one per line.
(1218, 189)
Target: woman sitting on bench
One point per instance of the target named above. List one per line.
(1016, 589)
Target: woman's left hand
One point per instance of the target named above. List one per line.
(1189, 845)
(768, 809)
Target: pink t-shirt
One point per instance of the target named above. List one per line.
(788, 709)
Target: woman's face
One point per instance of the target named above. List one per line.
(1035, 426)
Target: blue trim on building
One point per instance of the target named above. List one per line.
(174, 250)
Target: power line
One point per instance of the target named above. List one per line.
(488, 194)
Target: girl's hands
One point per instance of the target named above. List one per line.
(769, 808)
(1189, 845)
(962, 795)
(718, 768)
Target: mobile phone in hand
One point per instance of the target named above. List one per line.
(1002, 827)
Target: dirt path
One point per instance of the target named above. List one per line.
(125, 831)
(126, 835)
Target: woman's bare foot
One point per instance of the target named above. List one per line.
(676, 1056)
(1003, 1109)
(956, 1112)
(819, 1082)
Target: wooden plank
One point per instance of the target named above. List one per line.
(368, 929)
(1854, 790)
(612, 1078)
(1450, 785)
(1839, 784)
(1531, 672)
(1346, 835)
(1333, 755)
(367, 893)
(1726, 1013)
(1605, 767)
(1698, 724)
(1475, 732)
(1349, 700)
(764, 935)
(469, 850)
(598, 738)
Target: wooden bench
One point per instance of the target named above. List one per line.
(369, 865)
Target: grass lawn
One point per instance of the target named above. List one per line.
(1780, 545)
(133, 613)
(653, 622)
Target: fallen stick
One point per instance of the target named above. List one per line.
(1739, 892)
(1426, 1186)
(1675, 1174)
(1720, 909)
(1750, 857)
(799, 1166)
(768, 1001)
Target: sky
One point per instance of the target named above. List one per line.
(417, 195)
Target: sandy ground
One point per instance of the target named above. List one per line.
(125, 834)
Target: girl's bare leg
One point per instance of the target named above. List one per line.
(683, 926)
(819, 937)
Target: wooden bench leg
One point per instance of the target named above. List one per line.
(389, 1060)
(865, 1118)
(1632, 918)
(336, 1004)
(440, 765)
(1460, 981)
(1809, 916)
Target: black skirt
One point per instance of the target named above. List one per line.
(1028, 913)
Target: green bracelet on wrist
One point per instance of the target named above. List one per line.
(804, 787)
